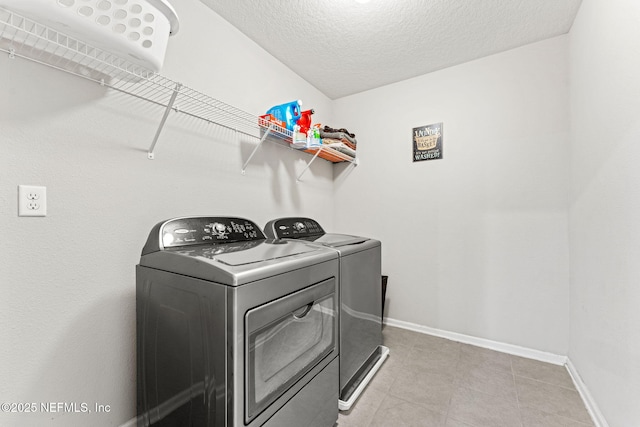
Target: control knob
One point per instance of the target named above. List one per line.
(298, 226)
(219, 227)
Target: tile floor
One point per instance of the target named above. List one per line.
(434, 382)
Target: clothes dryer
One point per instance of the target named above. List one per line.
(361, 349)
(234, 329)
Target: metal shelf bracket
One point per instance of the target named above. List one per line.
(167, 110)
(264, 137)
(327, 148)
(315, 156)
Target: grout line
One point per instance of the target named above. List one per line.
(378, 407)
(546, 382)
(515, 386)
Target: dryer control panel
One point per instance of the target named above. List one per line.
(293, 228)
(179, 232)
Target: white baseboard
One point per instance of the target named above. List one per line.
(481, 342)
(587, 398)
(556, 359)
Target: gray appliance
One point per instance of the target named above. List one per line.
(234, 329)
(361, 349)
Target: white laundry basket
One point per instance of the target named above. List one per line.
(135, 30)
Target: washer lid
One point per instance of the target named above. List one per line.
(338, 240)
(246, 253)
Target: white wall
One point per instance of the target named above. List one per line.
(605, 205)
(67, 309)
(475, 243)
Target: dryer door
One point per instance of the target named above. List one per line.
(285, 339)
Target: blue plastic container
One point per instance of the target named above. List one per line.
(289, 113)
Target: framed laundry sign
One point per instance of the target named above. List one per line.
(427, 142)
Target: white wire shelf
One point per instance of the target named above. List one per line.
(25, 38)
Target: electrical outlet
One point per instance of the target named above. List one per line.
(32, 200)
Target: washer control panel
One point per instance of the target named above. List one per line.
(293, 228)
(189, 231)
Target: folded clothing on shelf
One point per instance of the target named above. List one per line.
(342, 130)
(342, 141)
(341, 146)
(341, 136)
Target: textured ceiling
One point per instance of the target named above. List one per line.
(344, 47)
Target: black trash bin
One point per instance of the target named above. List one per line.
(384, 293)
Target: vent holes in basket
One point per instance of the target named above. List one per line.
(104, 5)
(85, 11)
(103, 20)
(131, 29)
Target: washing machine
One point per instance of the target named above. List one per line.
(361, 349)
(234, 329)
